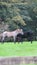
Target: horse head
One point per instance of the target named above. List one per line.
(20, 31)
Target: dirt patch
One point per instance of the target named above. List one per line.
(18, 60)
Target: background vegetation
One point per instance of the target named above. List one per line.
(18, 14)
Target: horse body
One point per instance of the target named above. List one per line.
(11, 34)
(8, 34)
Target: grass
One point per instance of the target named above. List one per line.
(24, 49)
(28, 64)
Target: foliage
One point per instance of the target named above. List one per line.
(19, 14)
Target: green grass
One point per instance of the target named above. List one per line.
(28, 64)
(24, 49)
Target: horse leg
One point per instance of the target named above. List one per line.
(3, 39)
(14, 39)
(31, 39)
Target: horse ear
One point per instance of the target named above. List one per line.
(18, 29)
(21, 30)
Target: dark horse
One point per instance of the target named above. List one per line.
(28, 35)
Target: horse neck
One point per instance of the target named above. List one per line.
(17, 32)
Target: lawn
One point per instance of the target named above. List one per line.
(21, 49)
(29, 64)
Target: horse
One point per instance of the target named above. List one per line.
(11, 34)
(28, 35)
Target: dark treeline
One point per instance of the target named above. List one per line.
(18, 14)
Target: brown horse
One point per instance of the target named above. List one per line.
(11, 34)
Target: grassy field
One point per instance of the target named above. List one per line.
(29, 64)
(24, 49)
